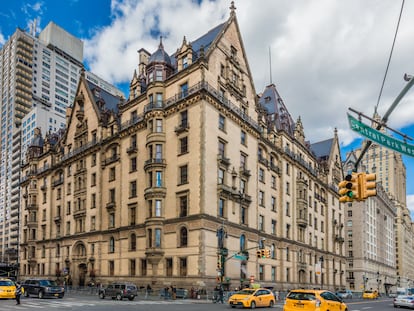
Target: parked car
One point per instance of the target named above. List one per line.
(119, 291)
(252, 297)
(404, 301)
(42, 288)
(7, 289)
(344, 294)
(370, 294)
(312, 300)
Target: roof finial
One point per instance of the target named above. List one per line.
(232, 9)
(161, 46)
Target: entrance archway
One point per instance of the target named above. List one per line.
(83, 269)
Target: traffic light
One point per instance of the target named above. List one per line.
(349, 188)
(219, 265)
(368, 185)
(259, 253)
(267, 253)
(263, 253)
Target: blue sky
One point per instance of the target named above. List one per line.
(325, 55)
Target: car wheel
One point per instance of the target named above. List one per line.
(131, 298)
(101, 295)
(271, 304)
(40, 295)
(61, 296)
(118, 297)
(253, 305)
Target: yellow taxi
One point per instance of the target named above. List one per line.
(252, 298)
(312, 300)
(370, 294)
(7, 289)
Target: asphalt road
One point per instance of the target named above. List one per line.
(73, 302)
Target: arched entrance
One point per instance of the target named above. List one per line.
(302, 276)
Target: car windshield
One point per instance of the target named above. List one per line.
(6, 283)
(368, 291)
(301, 296)
(47, 283)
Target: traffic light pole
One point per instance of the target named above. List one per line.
(385, 117)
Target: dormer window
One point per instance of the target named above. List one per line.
(158, 75)
(185, 62)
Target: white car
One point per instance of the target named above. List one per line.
(404, 301)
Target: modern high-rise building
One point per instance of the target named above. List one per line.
(38, 76)
(185, 182)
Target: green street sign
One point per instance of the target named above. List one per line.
(380, 138)
(240, 257)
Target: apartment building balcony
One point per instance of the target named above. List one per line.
(244, 172)
(132, 150)
(155, 192)
(57, 219)
(32, 207)
(183, 127)
(155, 163)
(32, 223)
(339, 238)
(263, 161)
(79, 213)
(32, 261)
(223, 160)
(158, 105)
(110, 159)
(302, 221)
(156, 137)
(110, 206)
(226, 190)
(274, 168)
(57, 182)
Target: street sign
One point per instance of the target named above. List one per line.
(380, 138)
(240, 257)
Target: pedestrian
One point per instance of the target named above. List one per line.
(18, 292)
(221, 294)
(174, 292)
(148, 291)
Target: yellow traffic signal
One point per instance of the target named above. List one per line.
(267, 253)
(368, 185)
(349, 189)
(263, 253)
(259, 253)
(219, 265)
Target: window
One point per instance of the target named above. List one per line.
(158, 179)
(183, 145)
(261, 175)
(111, 220)
(143, 267)
(261, 272)
(93, 179)
(132, 267)
(185, 62)
(133, 189)
(111, 267)
(222, 148)
(183, 201)
(261, 198)
(184, 119)
(243, 137)
(133, 242)
(184, 89)
(157, 237)
(169, 266)
(287, 208)
(273, 182)
(112, 174)
(243, 186)
(93, 223)
(183, 174)
(111, 244)
(273, 204)
(111, 195)
(261, 222)
(158, 125)
(158, 208)
(220, 176)
(132, 216)
(273, 229)
(243, 215)
(93, 200)
(221, 207)
(183, 266)
(243, 161)
(287, 188)
(222, 122)
(133, 164)
(183, 237)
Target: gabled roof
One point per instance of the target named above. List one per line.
(99, 95)
(273, 103)
(322, 149)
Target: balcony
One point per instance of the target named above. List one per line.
(225, 189)
(154, 255)
(263, 161)
(154, 163)
(110, 206)
(111, 159)
(183, 127)
(302, 222)
(32, 207)
(132, 150)
(274, 168)
(223, 160)
(57, 219)
(244, 172)
(81, 212)
(57, 182)
(155, 192)
(339, 239)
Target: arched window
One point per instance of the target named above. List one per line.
(183, 237)
(112, 245)
(133, 242)
(242, 242)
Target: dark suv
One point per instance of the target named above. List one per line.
(119, 291)
(42, 288)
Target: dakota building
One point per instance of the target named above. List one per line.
(182, 183)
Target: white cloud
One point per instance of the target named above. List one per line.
(410, 203)
(326, 55)
(2, 40)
